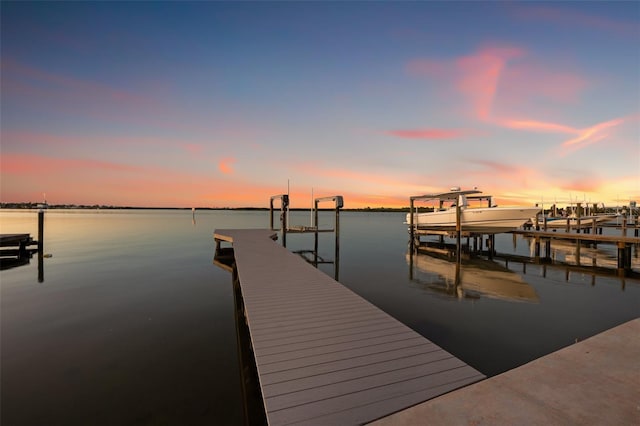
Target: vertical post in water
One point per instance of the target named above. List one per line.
(578, 216)
(315, 234)
(491, 245)
(621, 257)
(336, 258)
(40, 231)
(411, 231)
(284, 212)
(40, 245)
(458, 227)
(271, 213)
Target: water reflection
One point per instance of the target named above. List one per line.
(583, 254)
(439, 271)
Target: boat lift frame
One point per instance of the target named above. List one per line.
(285, 228)
(442, 198)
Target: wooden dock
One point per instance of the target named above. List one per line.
(16, 245)
(323, 354)
(623, 243)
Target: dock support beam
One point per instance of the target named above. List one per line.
(624, 257)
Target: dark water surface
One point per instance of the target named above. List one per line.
(133, 324)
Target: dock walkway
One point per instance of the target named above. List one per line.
(324, 355)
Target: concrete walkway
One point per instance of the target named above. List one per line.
(593, 382)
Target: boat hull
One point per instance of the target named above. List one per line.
(492, 220)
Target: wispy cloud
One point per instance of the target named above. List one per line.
(534, 125)
(581, 137)
(590, 135)
(479, 76)
(429, 134)
(495, 76)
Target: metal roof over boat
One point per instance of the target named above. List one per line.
(451, 195)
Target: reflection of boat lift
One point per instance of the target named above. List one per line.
(471, 279)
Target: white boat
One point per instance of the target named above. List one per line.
(559, 222)
(486, 220)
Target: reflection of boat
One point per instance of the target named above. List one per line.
(585, 221)
(487, 220)
(476, 276)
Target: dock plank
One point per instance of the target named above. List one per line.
(323, 354)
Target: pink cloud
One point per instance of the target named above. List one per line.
(427, 133)
(584, 184)
(527, 81)
(540, 126)
(495, 78)
(479, 76)
(581, 137)
(225, 165)
(589, 136)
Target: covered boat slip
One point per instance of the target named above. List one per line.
(324, 355)
(459, 216)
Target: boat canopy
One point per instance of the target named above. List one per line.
(445, 196)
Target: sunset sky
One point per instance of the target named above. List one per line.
(220, 104)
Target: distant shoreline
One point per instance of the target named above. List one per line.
(36, 206)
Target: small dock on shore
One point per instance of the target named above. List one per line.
(323, 354)
(16, 250)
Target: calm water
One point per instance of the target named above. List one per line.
(133, 324)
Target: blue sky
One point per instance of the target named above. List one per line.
(221, 103)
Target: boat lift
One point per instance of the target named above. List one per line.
(453, 195)
(285, 228)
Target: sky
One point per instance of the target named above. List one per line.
(224, 104)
